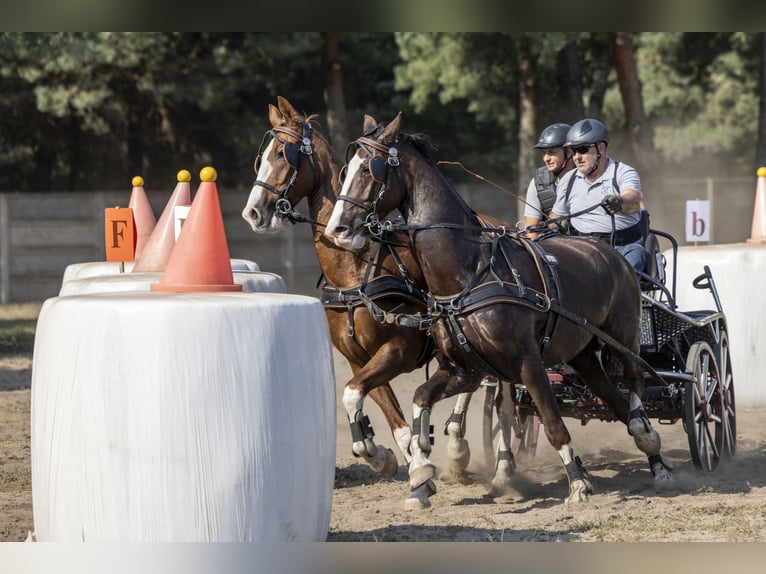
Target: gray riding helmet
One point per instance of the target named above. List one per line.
(587, 131)
(553, 136)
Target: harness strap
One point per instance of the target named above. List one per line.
(609, 340)
(486, 368)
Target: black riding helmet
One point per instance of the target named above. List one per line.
(555, 135)
(587, 131)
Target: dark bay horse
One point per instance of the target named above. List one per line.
(298, 163)
(500, 303)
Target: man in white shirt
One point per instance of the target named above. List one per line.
(599, 180)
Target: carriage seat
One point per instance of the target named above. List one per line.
(655, 261)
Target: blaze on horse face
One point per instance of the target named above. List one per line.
(368, 188)
(277, 167)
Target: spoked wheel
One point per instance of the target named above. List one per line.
(489, 425)
(704, 408)
(525, 430)
(727, 394)
(525, 433)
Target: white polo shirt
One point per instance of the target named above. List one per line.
(585, 194)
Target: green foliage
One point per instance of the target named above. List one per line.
(701, 93)
(87, 110)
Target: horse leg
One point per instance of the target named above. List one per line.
(389, 405)
(422, 471)
(458, 451)
(366, 380)
(534, 377)
(630, 412)
(505, 464)
(640, 428)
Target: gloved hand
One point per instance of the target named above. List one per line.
(558, 226)
(612, 204)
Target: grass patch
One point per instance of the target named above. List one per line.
(17, 335)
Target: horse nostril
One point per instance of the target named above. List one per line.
(340, 231)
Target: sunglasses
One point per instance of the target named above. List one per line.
(583, 149)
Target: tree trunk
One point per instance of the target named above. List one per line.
(760, 159)
(639, 128)
(74, 152)
(527, 120)
(570, 84)
(337, 126)
(600, 64)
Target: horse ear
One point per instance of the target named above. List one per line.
(275, 116)
(287, 109)
(369, 124)
(391, 131)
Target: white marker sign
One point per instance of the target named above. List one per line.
(698, 220)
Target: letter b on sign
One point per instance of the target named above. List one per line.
(698, 220)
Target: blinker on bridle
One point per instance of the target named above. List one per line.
(293, 155)
(378, 166)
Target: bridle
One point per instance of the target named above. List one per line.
(378, 166)
(293, 156)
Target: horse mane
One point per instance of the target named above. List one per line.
(420, 141)
(301, 118)
(422, 144)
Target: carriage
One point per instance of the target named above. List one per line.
(688, 352)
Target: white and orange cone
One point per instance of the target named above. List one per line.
(162, 240)
(758, 230)
(143, 216)
(200, 259)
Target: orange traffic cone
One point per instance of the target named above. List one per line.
(160, 244)
(143, 216)
(200, 260)
(758, 230)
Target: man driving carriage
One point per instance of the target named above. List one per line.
(598, 179)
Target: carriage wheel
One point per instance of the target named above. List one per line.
(524, 433)
(727, 394)
(703, 408)
(489, 426)
(524, 444)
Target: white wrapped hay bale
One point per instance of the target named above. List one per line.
(182, 418)
(251, 281)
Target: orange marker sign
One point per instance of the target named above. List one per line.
(119, 234)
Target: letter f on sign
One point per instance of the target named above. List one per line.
(119, 234)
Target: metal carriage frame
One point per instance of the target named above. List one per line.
(692, 380)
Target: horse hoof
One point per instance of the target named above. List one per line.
(385, 462)
(663, 479)
(362, 449)
(418, 498)
(422, 475)
(579, 491)
(459, 455)
(500, 485)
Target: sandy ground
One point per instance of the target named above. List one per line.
(727, 505)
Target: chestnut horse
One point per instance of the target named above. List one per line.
(500, 302)
(298, 163)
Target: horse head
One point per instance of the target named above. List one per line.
(286, 168)
(373, 185)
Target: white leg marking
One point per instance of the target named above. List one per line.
(579, 488)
